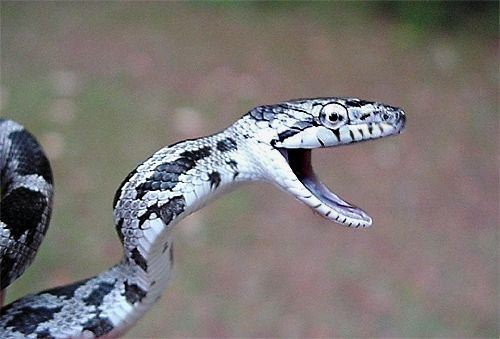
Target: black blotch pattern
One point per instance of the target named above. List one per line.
(45, 334)
(226, 145)
(32, 316)
(98, 326)
(152, 209)
(139, 259)
(167, 212)
(266, 112)
(234, 166)
(67, 291)
(22, 209)
(97, 295)
(6, 268)
(172, 209)
(133, 293)
(196, 154)
(166, 175)
(29, 155)
(119, 190)
(214, 178)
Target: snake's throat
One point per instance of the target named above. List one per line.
(301, 165)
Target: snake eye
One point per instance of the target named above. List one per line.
(333, 115)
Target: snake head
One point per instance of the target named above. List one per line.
(293, 128)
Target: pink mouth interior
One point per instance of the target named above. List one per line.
(301, 165)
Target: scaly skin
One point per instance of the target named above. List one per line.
(271, 143)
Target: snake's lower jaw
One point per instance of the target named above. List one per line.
(310, 190)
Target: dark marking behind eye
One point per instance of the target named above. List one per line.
(287, 134)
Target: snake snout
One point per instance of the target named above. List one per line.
(394, 116)
(402, 118)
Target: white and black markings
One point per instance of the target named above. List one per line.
(133, 293)
(166, 175)
(227, 144)
(214, 178)
(29, 155)
(25, 203)
(270, 142)
(139, 259)
(38, 315)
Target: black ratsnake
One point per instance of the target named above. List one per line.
(271, 143)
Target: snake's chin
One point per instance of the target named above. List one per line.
(300, 163)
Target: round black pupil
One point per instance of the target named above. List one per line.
(334, 117)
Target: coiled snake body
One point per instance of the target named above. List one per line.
(271, 143)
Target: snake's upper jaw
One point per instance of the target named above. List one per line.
(309, 189)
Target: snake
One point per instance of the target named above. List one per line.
(270, 143)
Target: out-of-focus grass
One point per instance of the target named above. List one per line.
(103, 85)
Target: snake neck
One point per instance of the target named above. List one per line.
(173, 183)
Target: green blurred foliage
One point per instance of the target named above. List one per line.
(420, 16)
(447, 16)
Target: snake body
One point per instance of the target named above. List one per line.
(271, 143)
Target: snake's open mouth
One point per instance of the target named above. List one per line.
(299, 161)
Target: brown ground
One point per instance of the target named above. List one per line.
(105, 85)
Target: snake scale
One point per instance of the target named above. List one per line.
(270, 143)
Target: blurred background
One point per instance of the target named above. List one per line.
(104, 85)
